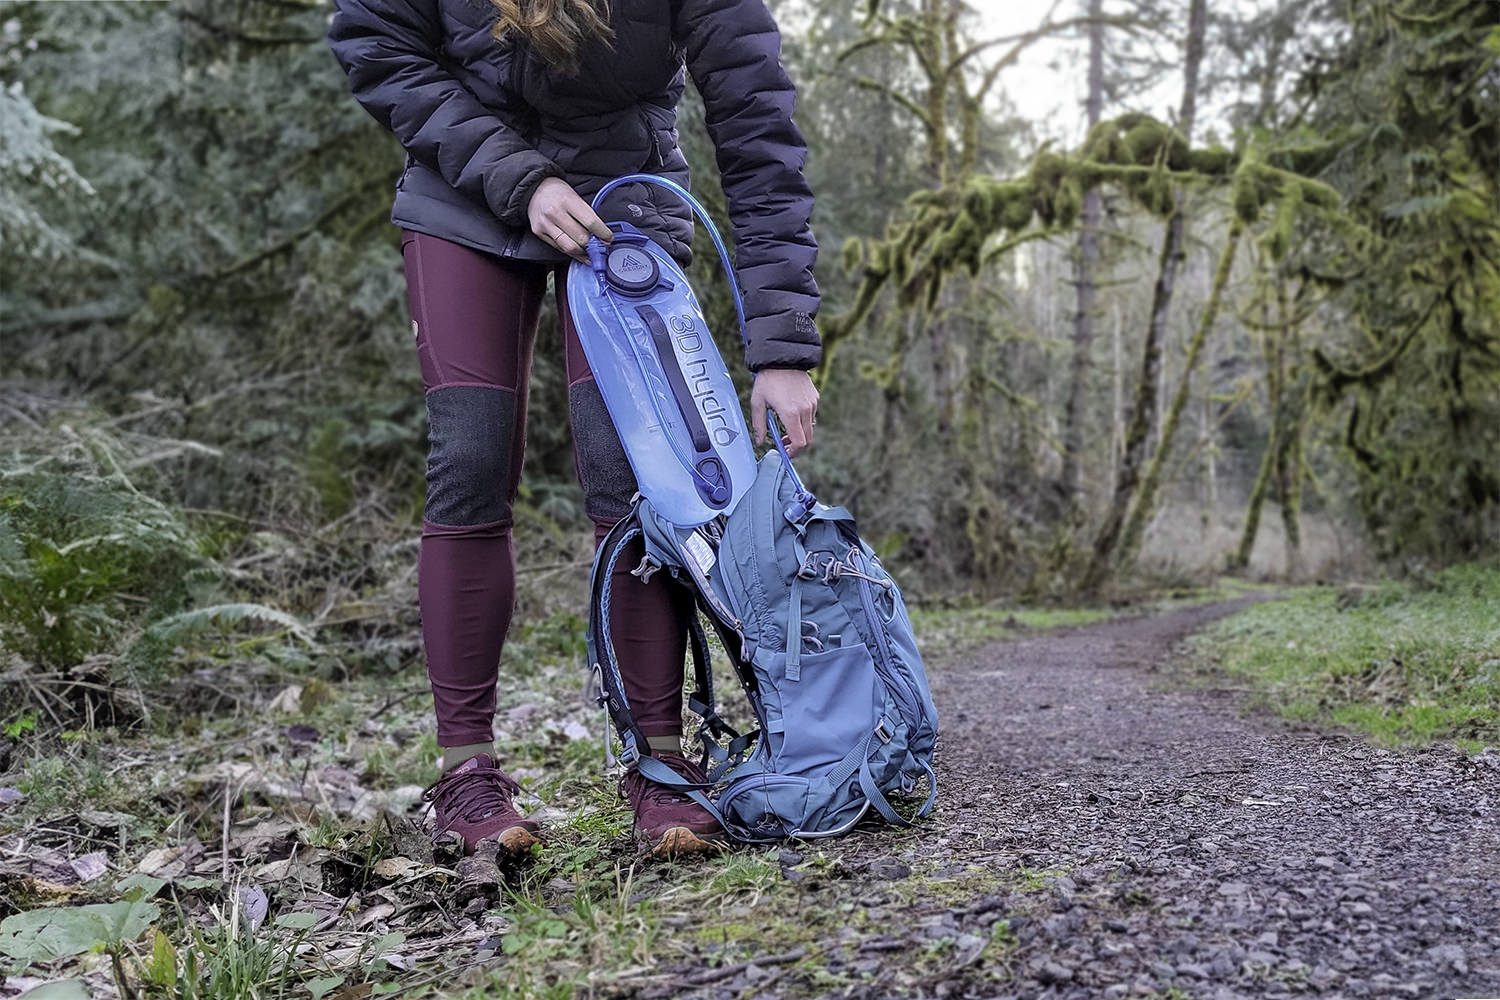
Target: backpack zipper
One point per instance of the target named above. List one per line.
(883, 649)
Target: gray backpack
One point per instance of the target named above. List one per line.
(820, 640)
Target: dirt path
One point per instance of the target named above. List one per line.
(1223, 855)
(1180, 848)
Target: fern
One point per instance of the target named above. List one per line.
(153, 648)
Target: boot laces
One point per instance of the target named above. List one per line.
(474, 795)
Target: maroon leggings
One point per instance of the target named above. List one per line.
(475, 319)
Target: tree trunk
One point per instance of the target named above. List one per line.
(1088, 259)
(1274, 352)
(1135, 527)
(1257, 501)
(1293, 460)
(1291, 502)
(1210, 495)
(1143, 413)
(1117, 411)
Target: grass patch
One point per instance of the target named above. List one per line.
(1406, 663)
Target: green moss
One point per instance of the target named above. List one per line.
(1215, 160)
(1277, 239)
(1148, 142)
(1104, 143)
(1246, 198)
(1069, 201)
(853, 254)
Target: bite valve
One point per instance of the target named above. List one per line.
(595, 249)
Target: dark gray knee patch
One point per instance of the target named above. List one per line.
(603, 470)
(469, 432)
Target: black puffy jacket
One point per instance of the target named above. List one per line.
(484, 122)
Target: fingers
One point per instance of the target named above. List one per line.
(596, 225)
(792, 397)
(798, 435)
(572, 238)
(564, 221)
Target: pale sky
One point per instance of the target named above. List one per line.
(1048, 85)
(1042, 93)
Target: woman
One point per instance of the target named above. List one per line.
(512, 114)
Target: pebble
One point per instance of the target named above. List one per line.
(1450, 954)
(1054, 972)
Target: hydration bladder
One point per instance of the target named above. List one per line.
(663, 380)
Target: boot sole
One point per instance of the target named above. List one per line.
(680, 840)
(518, 840)
(515, 840)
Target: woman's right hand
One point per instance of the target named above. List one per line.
(561, 219)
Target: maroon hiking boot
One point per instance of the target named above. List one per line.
(667, 821)
(473, 801)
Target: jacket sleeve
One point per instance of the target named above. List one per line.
(388, 49)
(734, 55)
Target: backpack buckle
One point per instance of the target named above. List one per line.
(882, 731)
(630, 754)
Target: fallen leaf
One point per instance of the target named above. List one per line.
(288, 702)
(100, 819)
(253, 905)
(163, 861)
(290, 870)
(394, 867)
(89, 866)
(374, 913)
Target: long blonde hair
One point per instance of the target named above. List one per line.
(556, 29)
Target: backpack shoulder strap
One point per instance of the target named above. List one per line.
(601, 651)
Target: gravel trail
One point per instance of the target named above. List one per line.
(1202, 850)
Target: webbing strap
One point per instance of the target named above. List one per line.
(877, 797)
(844, 768)
(932, 793)
(794, 633)
(600, 642)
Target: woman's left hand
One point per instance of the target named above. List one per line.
(791, 393)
